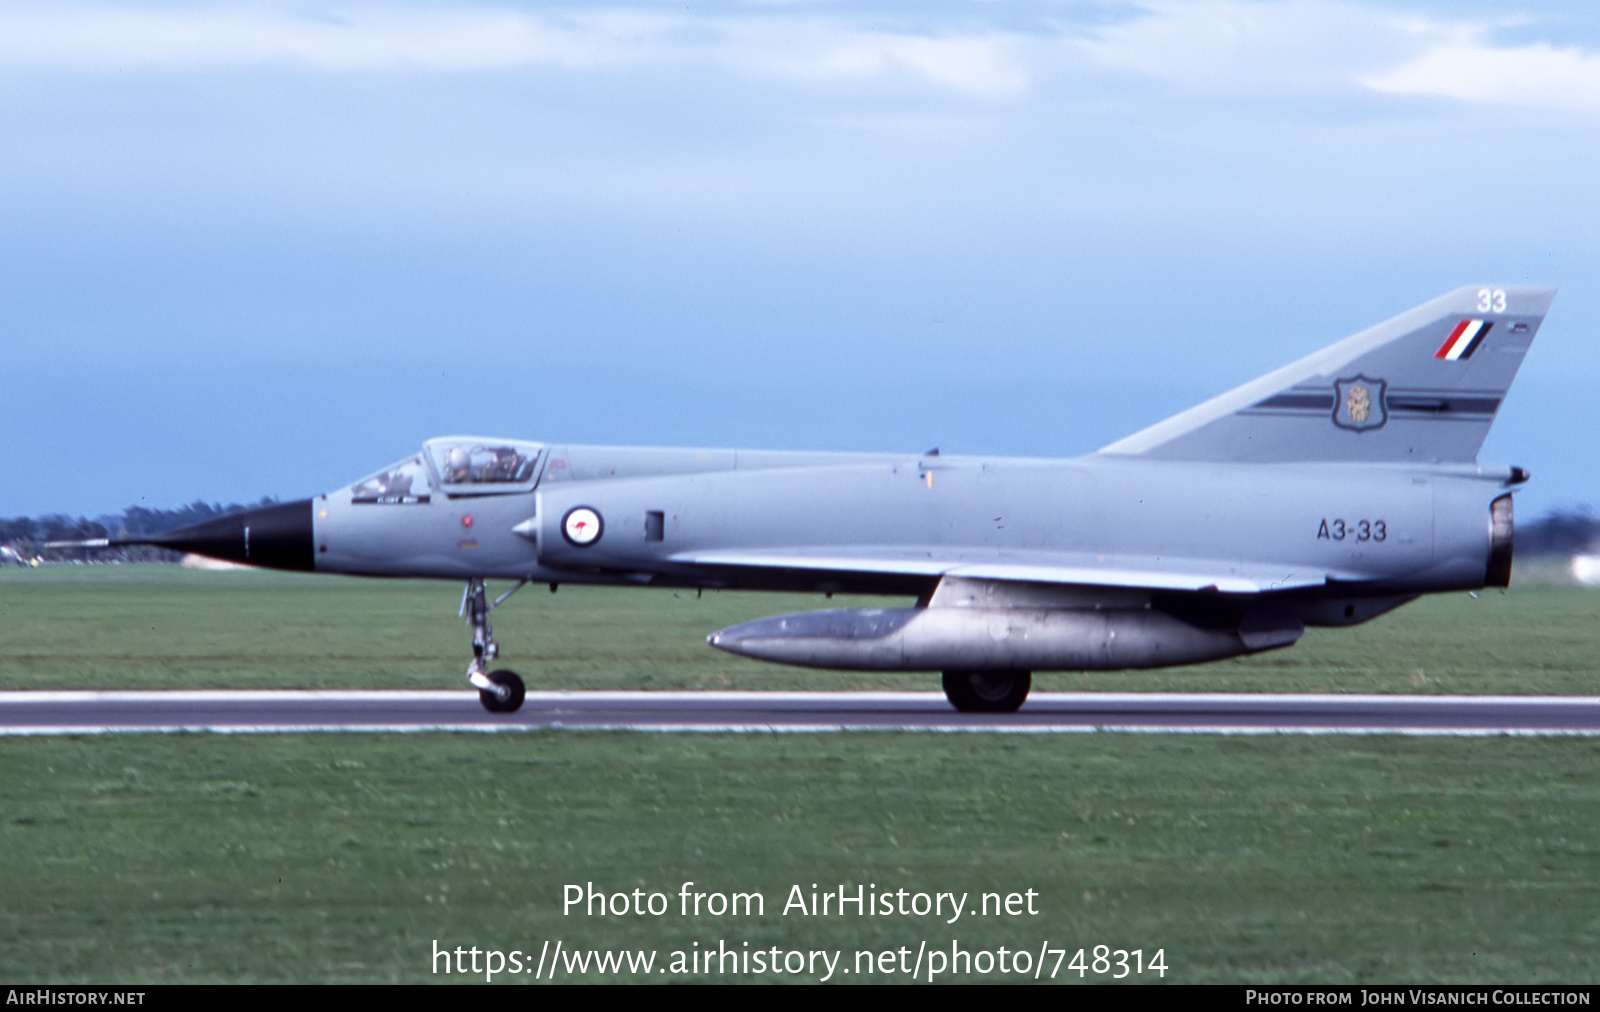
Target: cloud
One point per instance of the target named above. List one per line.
(1229, 44)
(985, 65)
(118, 38)
(1256, 47)
(1206, 47)
(451, 39)
(1464, 67)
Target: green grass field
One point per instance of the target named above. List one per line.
(149, 858)
(328, 858)
(161, 627)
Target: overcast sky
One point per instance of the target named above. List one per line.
(252, 249)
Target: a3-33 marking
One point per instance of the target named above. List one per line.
(1339, 529)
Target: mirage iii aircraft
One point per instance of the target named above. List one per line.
(1325, 493)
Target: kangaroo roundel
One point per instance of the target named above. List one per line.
(582, 526)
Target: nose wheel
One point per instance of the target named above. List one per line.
(506, 696)
(499, 691)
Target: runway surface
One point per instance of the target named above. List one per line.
(58, 713)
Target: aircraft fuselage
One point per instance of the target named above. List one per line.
(896, 524)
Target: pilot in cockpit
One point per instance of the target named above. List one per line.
(458, 465)
(504, 466)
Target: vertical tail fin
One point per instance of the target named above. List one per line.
(1424, 386)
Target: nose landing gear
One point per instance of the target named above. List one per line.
(507, 682)
(499, 691)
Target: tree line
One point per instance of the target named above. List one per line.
(1564, 532)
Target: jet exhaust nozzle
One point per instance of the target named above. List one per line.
(1501, 530)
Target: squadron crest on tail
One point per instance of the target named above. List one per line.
(1358, 403)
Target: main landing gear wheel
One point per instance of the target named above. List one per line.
(510, 684)
(987, 691)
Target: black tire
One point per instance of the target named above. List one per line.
(512, 701)
(987, 691)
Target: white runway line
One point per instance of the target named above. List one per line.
(1087, 706)
(240, 696)
(1033, 729)
(746, 695)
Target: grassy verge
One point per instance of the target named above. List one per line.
(198, 857)
(342, 858)
(147, 627)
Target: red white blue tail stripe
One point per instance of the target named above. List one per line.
(1463, 340)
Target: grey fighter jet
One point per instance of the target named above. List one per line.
(1325, 493)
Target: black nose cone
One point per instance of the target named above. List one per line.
(276, 537)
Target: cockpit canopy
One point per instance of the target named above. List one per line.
(470, 465)
(398, 484)
(455, 465)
